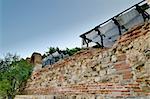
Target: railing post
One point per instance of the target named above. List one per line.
(145, 15)
(101, 36)
(118, 25)
(85, 40)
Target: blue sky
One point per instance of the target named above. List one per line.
(27, 26)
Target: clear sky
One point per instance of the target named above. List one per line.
(27, 26)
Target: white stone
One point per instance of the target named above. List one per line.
(97, 79)
(37, 67)
(102, 72)
(147, 67)
(114, 58)
(111, 71)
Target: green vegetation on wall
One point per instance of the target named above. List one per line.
(68, 51)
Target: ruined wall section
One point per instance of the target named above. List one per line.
(122, 71)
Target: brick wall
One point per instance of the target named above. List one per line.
(120, 72)
(85, 96)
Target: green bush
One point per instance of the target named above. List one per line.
(72, 51)
(68, 51)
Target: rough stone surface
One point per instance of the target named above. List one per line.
(36, 58)
(122, 71)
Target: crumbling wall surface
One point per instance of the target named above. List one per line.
(120, 72)
(35, 59)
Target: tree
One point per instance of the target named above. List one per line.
(58, 50)
(5, 63)
(51, 50)
(11, 79)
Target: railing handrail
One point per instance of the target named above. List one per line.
(82, 35)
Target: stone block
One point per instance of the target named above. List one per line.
(114, 58)
(98, 68)
(97, 79)
(95, 73)
(99, 97)
(111, 71)
(147, 67)
(103, 66)
(103, 72)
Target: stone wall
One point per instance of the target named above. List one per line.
(120, 72)
(69, 97)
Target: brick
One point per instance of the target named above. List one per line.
(126, 94)
(127, 76)
(139, 80)
(138, 90)
(126, 72)
(121, 57)
(120, 91)
(121, 65)
(119, 96)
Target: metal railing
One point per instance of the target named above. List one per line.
(140, 9)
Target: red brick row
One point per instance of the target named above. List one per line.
(91, 89)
